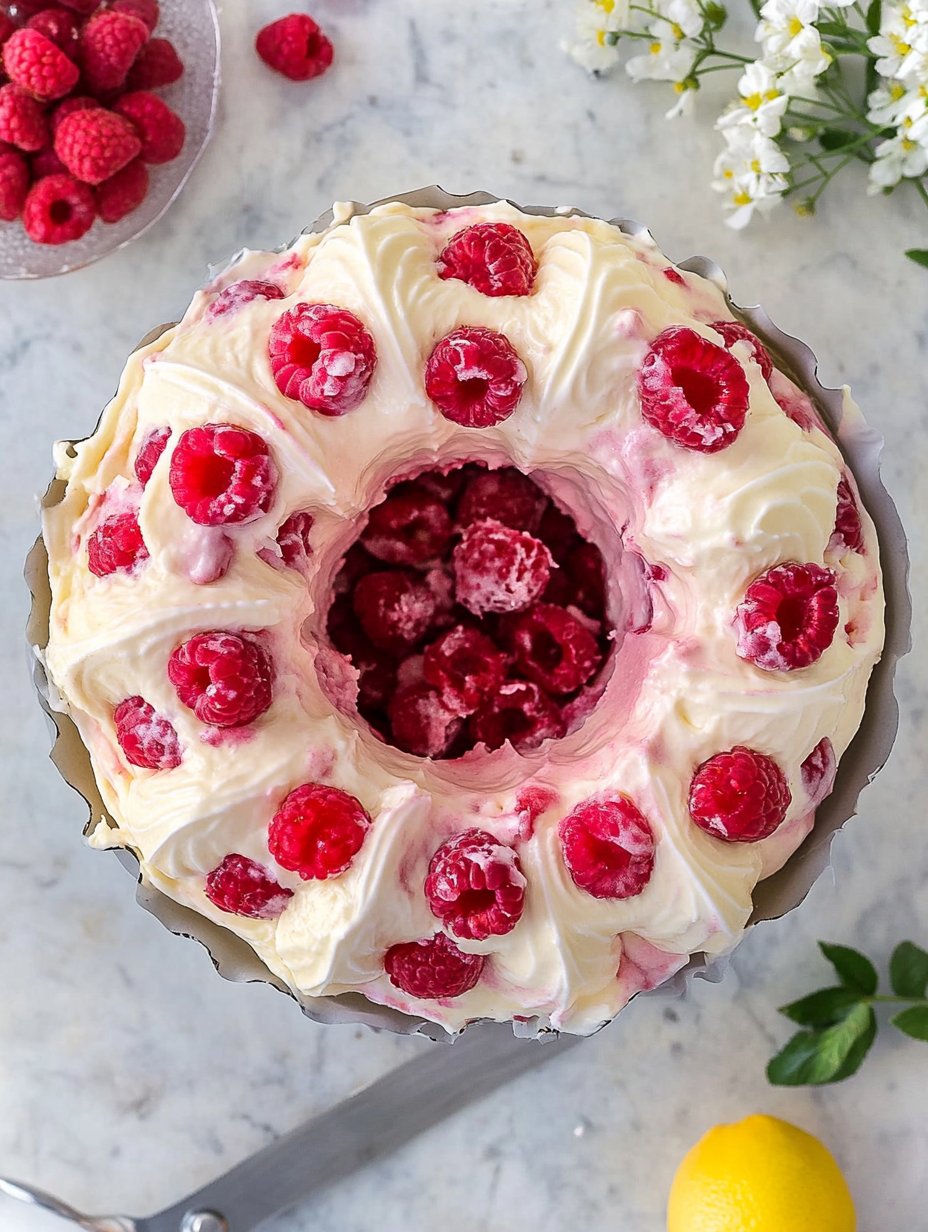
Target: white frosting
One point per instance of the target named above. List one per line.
(677, 692)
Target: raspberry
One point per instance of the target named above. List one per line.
(110, 41)
(47, 162)
(237, 294)
(798, 407)
(6, 27)
(151, 450)
(68, 106)
(432, 969)
(322, 356)
(242, 887)
(420, 721)
(788, 617)
(608, 848)
(558, 532)
(674, 276)
(849, 530)
(475, 377)
(145, 10)
(157, 64)
(498, 569)
(123, 192)
(293, 539)
(739, 796)
(475, 886)
(295, 47)
(82, 7)
(221, 474)
(146, 738)
(317, 831)
(38, 65)
(410, 527)
(587, 572)
(22, 120)
(224, 678)
(520, 713)
(59, 26)
(818, 771)
(465, 666)
(506, 495)
(694, 392)
(553, 648)
(376, 669)
(355, 563)
(14, 184)
(58, 209)
(161, 130)
(492, 257)
(95, 144)
(395, 609)
(116, 546)
(734, 331)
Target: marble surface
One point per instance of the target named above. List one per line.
(129, 1072)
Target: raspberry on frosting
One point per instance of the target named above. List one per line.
(322, 356)
(242, 887)
(520, 713)
(608, 847)
(222, 475)
(146, 738)
(849, 531)
(421, 722)
(116, 546)
(409, 527)
(295, 47)
(58, 209)
(237, 294)
(465, 666)
(152, 448)
(317, 831)
(432, 969)
(553, 648)
(493, 257)
(160, 129)
(788, 617)
(395, 609)
(94, 144)
(110, 41)
(818, 771)
(507, 496)
(475, 377)
(224, 678)
(293, 539)
(475, 886)
(694, 392)
(739, 796)
(38, 64)
(498, 569)
(734, 331)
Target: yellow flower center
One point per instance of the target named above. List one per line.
(655, 49)
(677, 30)
(902, 48)
(601, 37)
(755, 165)
(908, 144)
(753, 101)
(742, 198)
(728, 174)
(795, 27)
(771, 95)
(896, 90)
(907, 18)
(606, 5)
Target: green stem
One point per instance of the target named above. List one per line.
(886, 1000)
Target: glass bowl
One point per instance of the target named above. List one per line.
(193, 28)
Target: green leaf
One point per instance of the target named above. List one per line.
(817, 1057)
(822, 1008)
(836, 138)
(874, 16)
(918, 255)
(861, 1047)
(854, 969)
(837, 29)
(716, 14)
(908, 967)
(913, 1021)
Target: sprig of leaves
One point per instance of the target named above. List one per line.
(841, 1020)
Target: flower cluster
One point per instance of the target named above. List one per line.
(901, 101)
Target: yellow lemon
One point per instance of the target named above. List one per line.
(759, 1175)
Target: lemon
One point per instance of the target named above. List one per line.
(759, 1175)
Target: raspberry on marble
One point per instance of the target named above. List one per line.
(608, 847)
(520, 713)
(788, 617)
(506, 495)
(237, 294)
(109, 43)
(475, 377)
(242, 887)
(433, 968)
(465, 666)
(475, 886)
(222, 475)
(552, 648)
(116, 546)
(224, 678)
(420, 721)
(734, 331)
(317, 831)
(493, 257)
(58, 209)
(94, 144)
(322, 356)
(123, 192)
(157, 64)
(160, 129)
(395, 609)
(409, 527)
(740, 796)
(295, 47)
(498, 569)
(146, 738)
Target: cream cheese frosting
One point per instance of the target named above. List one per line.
(676, 691)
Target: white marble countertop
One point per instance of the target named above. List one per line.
(129, 1072)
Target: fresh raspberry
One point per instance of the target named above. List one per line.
(237, 294)
(475, 377)
(608, 847)
(221, 474)
(492, 257)
(116, 546)
(788, 617)
(587, 572)
(465, 667)
(520, 713)
(317, 831)
(694, 392)
(322, 356)
(110, 41)
(161, 130)
(818, 771)
(734, 331)
(151, 450)
(295, 47)
(293, 539)
(849, 530)
(95, 144)
(674, 276)
(395, 609)
(38, 65)
(506, 495)
(420, 721)
(498, 569)
(82, 7)
(22, 120)
(14, 184)
(68, 106)
(242, 887)
(123, 192)
(6, 27)
(145, 10)
(409, 527)
(558, 532)
(553, 648)
(432, 969)
(59, 26)
(224, 678)
(47, 162)
(475, 886)
(58, 209)
(148, 739)
(157, 64)
(531, 803)
(739, 796)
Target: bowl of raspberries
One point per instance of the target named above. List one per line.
(105, 108)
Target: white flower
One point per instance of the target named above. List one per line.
(677, 20)
(901, 47)
(751, 173)
(799, 78)
(598, 24)
(663, 61)
(786, 27)
(887, 103)
(899, 157)
(686, 100)
(762, 102)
